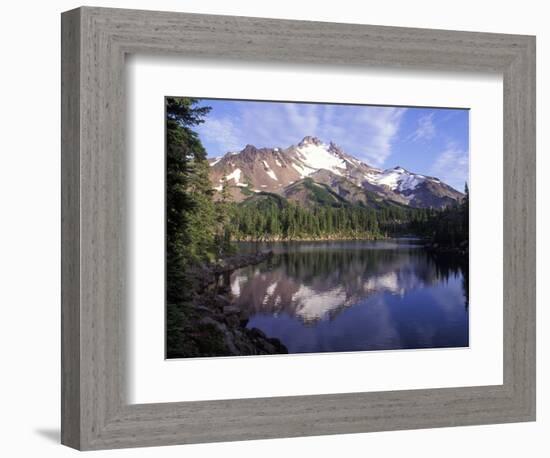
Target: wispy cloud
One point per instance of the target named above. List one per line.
(425, 128)
(221, 131)
(451, 166)
(381, 125)
(366, 132)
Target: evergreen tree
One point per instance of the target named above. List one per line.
(223, 220)
(189, 206)
(465, 207)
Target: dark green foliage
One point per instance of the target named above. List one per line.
(267, 216)
(188, 194)
(197, 235)
(245, 191)
(196, 227)
(189, 334)
(185, 112)
(448, 228)
(222, 240)
(263, 200)
(270, 217)
(320, 194)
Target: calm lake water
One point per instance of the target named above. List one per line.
(353, 296)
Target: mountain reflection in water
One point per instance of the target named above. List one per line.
(352, 296)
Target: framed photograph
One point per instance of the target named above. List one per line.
(306, 248)
(279, 228)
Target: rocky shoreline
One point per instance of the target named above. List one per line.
(210, 324)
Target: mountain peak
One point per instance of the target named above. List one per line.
(275, 170)
(309, 140)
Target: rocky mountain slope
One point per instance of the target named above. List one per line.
(312, 172)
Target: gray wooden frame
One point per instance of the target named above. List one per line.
(95, 413)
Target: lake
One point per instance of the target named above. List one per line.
(355, 296)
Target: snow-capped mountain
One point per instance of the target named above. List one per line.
(291, 171)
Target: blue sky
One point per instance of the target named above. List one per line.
(430, 141)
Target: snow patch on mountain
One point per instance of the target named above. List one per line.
(316, 156)
(303, 170)
(234, 175)
(272, 175)
(269, 171)
(397, 179)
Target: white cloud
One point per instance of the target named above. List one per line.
(452, 166)
(380, 125)
(425, 129)
(221, 132)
